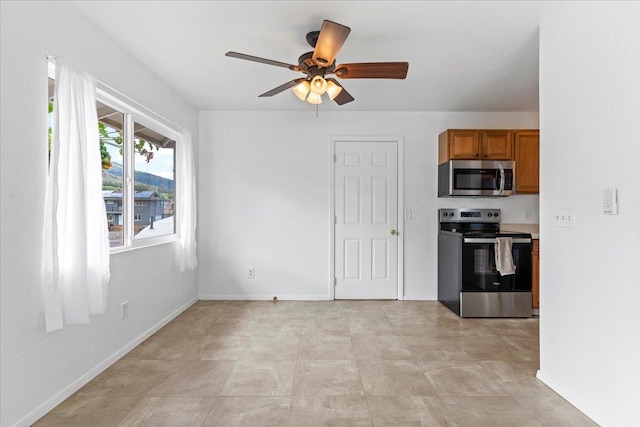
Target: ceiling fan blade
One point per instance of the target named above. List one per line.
(373, 70)
(262, 60)
(343, 97)
(282, 88)
(330, 41)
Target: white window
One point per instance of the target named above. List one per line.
(136, 143)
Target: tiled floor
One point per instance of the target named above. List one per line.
(332, 363)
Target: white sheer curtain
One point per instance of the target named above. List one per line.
(187, 205)
(76, 252)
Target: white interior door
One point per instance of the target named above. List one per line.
(366, 220)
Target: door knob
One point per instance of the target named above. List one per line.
(394, 232)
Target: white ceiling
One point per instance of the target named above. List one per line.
(463, 56)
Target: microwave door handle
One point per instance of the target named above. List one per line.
(501, 180)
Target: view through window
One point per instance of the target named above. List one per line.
(152, 213)
(154, 159)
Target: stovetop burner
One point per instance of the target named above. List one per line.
(493, 234)
(477, 223)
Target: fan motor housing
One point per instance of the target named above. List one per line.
(309, 66)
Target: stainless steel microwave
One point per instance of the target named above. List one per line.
(477, 178)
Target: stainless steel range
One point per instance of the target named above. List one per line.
(469, 283)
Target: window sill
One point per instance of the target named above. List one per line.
(145, 243)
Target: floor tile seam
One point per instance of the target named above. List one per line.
(295, 370)
(201, 395)
(338, 360)
(228, 376)
(413, 356)
(244, 349)
(442, 395)
(124, 416)
(204, 420)
(155, 384)
(365, 392)
(293, 383)
(518, 376)
(256, 396)
(441, 406)
(434, 386)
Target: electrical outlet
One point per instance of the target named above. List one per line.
(124, 310)
(564, 218)
(252, 273)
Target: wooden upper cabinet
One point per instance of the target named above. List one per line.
(527, 157)
(497, 145)
(472, 144)
(459, 145)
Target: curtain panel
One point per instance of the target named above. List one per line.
(187, 211)
(76, 244)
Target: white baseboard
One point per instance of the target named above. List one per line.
(216, 297)
(43, 409)
(210, 297)
(597, 416)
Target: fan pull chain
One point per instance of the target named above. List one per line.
(317, 111)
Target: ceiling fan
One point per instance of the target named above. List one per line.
(321, 62)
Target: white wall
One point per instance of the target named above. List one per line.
(265, 188)
(590, 277)
(39, 369)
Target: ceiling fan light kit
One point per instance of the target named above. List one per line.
(302, 90)
(321, 62)
(314, 98)
(318, 85)
(333, 89)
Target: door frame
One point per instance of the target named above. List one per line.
(332, 211)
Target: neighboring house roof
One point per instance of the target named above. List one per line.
(138, 195)
(161, 227)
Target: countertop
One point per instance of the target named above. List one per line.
(533, 229)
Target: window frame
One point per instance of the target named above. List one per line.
(136, 113)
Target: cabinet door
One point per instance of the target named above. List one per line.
(464, 144)
(527, 148)
(535, 276)
(497, 145)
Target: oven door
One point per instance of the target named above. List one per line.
(479, 272)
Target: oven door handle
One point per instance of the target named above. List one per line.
(491, 240)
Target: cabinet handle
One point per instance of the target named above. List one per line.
(477, 154)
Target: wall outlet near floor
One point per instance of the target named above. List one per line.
(252, 273)
(564, 218)
(124, 310)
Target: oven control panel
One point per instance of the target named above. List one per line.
(470, 215)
